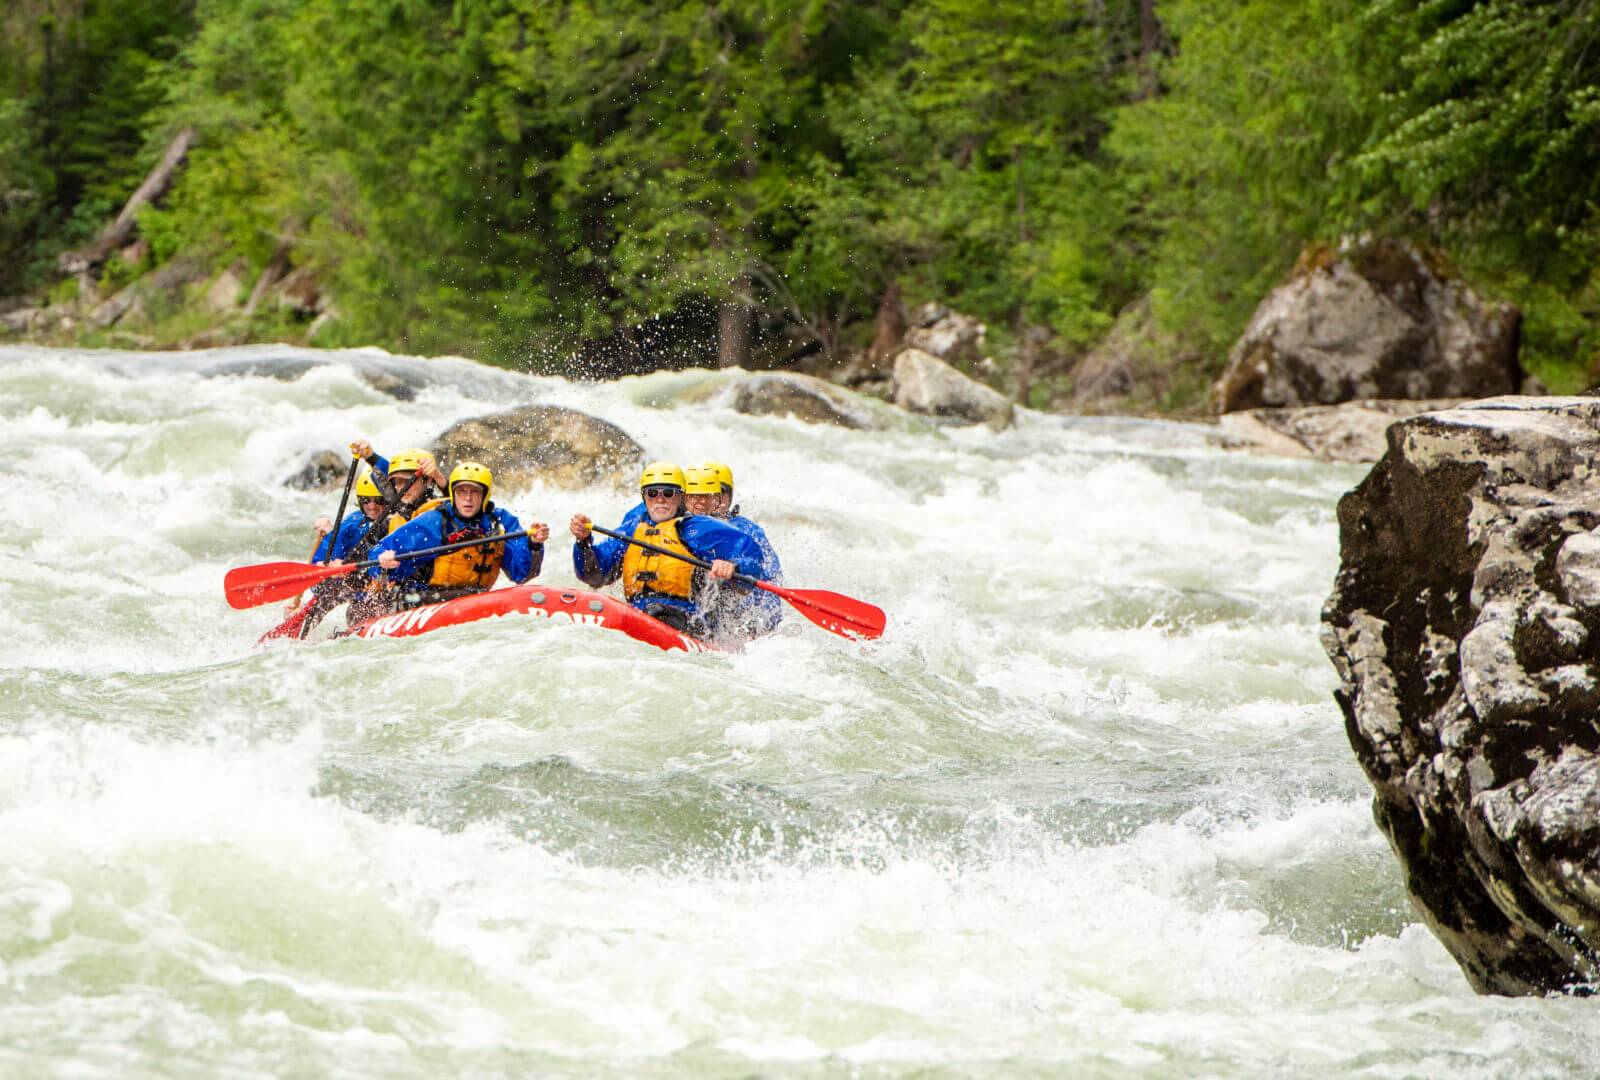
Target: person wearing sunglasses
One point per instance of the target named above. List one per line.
(676, 592)
(354, 538)
(466, 515)
(708, 490)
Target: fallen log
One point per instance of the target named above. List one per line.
(119, 231)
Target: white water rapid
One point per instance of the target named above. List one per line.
(1086, 810)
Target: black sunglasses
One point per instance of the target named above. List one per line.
(660, 492)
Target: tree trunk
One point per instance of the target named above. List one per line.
(1025, 350)
(273, 273)
(889, 328)
(1151, 42)
(117, 233)
(733, 330)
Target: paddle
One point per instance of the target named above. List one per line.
(834, 612)
(344, 501)
(252, 586)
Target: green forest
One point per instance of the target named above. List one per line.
(507, 179)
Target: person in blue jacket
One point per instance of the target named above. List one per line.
(467, 514)
(670, 589)
(356, 535)
(705, 491)
(371, 509)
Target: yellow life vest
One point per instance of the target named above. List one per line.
(399, 517)
(644, 573)
(473, 567)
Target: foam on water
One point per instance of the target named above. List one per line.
(1086, 809)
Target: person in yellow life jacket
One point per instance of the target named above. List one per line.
(669, 589)
(466, 515)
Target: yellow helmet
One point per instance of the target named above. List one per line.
(472, 473)
(413, 460)
(699, 481)
(661, 472)
(366, 488)
(723, 474)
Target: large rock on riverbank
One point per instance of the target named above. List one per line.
(925, 384)
(1377, 319)
(1465, 627)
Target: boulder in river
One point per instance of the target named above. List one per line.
(1377, 319)
(925, 384)
(1465, 628)
(803, 397)
(559, 447)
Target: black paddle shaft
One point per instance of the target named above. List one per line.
(344, 501)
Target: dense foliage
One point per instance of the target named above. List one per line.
(507, 177)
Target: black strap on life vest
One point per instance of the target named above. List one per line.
(375, 531)
(470, 530)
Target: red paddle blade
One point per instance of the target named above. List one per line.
(252, 586)
(834, 612)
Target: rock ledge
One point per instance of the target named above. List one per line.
(1465, 628)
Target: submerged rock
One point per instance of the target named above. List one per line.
(1463, 628)
(322, 470)
(925, 384)
(559, 447)
(1375, 320)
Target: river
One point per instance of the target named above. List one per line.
(1087, 809)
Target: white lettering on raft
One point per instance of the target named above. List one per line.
(402, 622)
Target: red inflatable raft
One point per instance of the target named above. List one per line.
(575, 606)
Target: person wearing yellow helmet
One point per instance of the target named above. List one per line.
(467, 514)
(415, 478)
(350, 542)
(723, 475)
(674, 591)
(337, 544)
(708, 490)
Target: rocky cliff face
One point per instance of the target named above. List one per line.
(1465, 627)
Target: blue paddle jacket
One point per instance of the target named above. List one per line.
(521, 562)
(765, 608)
(705, 537)
(346, 536)
(355, 524)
